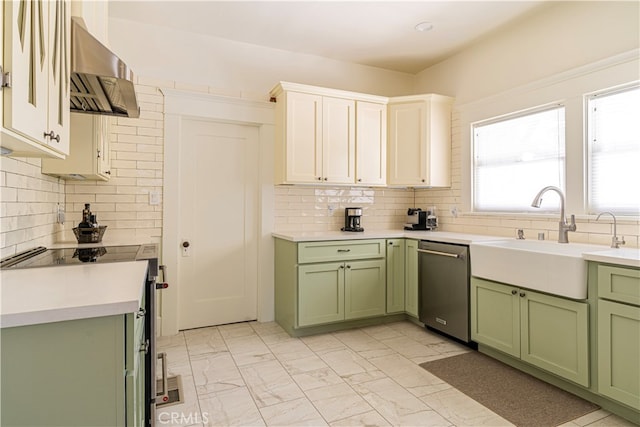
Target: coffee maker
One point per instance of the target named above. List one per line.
(417, 219)
(352, 219)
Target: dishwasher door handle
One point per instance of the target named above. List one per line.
(426, 251)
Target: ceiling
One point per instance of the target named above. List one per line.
(375, 33)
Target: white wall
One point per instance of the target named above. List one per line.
(558, 53)
(555, 38)
(240, 69)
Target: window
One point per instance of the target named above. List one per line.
(516, 156)
(613, 123)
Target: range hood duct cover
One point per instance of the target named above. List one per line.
(100, 82)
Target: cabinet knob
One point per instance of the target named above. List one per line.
(359, 179)
(185, 244)
(522, 294)
(325, 178)
(319, 178)
(107, 172)
(141, 313)
(513, 292)
(348, 266)
(423, 180)
(342, 266)
(390, 243)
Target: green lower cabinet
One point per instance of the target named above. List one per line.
(72, 373)
(555, 335)
(320, 293)
(495, 316)
(364, 289)
(395, 275)
(336, 291)
(411, 277)
(546, 331)
(619, 352)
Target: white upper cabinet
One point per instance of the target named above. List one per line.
(419, 152)
(89, 157)
(371, 143)
(338, 140)
(326, 136)
(35, 119)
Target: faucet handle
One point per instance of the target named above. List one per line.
(615, 242)
(572, 226)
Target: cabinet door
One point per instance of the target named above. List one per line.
(554, 333)
(619, 352)
(338, 140)
(406, 143)
(89, 155)
(395, 276)
(411, 277)
(495, 316)
(364, 289)
(59, 58)
(320, 293)
(25, 56)
(371, 143)
(303, 138)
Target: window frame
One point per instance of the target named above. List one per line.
(589, 207)
(503, 118)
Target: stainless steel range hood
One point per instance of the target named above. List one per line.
(100, 82)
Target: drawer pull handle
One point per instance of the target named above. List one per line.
(344, 250)
(426, 251)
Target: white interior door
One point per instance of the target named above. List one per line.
(218, 218)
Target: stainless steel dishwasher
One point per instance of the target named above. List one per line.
(443, 293)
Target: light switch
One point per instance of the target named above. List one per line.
(154, 197)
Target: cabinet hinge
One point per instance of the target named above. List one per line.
(5, 79)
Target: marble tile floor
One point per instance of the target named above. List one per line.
(255, 374)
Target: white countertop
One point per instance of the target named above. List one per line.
(438, 236)
(52, 294)
(623, 256)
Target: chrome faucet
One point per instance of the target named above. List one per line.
(615, 242)
(563, 226)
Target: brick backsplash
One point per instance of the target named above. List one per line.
(28, 205)
(122, 203)
(299, 208)
(29, 200)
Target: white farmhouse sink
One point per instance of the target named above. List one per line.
(555, 268)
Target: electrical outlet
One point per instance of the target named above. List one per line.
(331, 208)
(454, 211)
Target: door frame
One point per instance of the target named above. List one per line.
(179, 105)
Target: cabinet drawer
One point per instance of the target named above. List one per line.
(619, 284)
(309, 252)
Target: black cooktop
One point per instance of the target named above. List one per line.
(43, 257)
